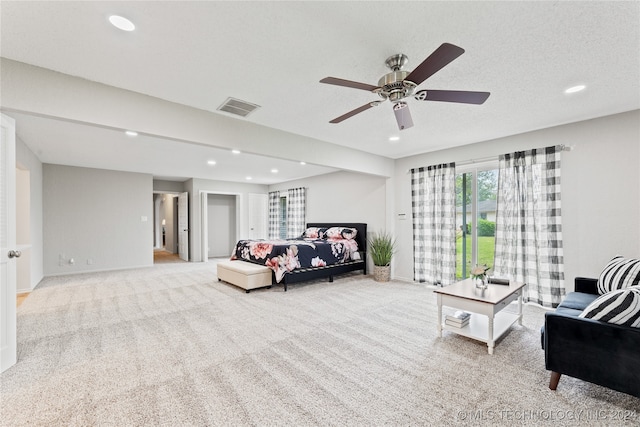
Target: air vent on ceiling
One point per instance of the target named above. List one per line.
(238, 107)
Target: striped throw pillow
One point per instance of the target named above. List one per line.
(620, 273)
(621, 307)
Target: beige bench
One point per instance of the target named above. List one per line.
(245, 275)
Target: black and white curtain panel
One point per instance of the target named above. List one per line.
(274, 214)
(433, 201)
(528, 224)
(296, 212)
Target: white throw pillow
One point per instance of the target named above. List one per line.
(619, 273)
(621, 307)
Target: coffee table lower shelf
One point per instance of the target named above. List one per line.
(478, 326)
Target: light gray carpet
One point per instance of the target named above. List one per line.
(170, 345)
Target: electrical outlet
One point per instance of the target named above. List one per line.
(89, 261)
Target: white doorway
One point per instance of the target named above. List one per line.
(183, 226)
(165, 222)
(221, 223)
(258, 216)
(220, 215)
(170, 224)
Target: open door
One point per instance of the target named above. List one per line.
(8, 251)
(183, 226)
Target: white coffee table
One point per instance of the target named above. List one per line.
(488, 322)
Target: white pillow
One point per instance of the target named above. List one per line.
(619, 273)
(621, 307)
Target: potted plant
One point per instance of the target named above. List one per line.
(381, 248)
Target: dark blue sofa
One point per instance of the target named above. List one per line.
(591, 350)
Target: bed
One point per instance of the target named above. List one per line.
(327, 250)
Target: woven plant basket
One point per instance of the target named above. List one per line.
(381, 273)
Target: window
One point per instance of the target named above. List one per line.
(476, 191)
(283, 217)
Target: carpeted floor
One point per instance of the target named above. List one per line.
(170, 345)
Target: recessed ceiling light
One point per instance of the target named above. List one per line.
(121, 23)
(302, 163)
(274, 170)
(235, 151)
(249, 178)
(575, 89)
(394, 138)
(131, 133)
(211, 162)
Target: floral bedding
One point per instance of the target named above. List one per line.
(283, 256)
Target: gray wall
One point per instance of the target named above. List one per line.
(600, 189)
(169, 212)
(164, 186)
(28, 161)
(95, 217)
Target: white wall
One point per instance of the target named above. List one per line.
(95, 216)
(221, 212)
(27, 161)
(600, 189)
(344, 197)
(23, 230)
(195, 187)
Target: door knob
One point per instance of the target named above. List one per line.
(14, 254)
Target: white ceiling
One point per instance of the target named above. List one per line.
(65, 143)
(274, 53)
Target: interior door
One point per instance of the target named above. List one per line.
(258, 215)
(8, 251)
(183, 226)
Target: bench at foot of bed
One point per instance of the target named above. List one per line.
(244, 275)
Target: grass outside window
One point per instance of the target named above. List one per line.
(486, 249)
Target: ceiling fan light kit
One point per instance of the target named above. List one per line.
(399, 84)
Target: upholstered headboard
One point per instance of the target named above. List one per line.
(361, 236)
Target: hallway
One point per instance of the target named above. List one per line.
(160, 256)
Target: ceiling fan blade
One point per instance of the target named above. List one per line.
(348, 83)
(435, 62)
(461, 96)
(353, 112)
(403, 115)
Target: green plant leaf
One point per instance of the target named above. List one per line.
(381, 248)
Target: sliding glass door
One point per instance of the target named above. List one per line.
(476, 189)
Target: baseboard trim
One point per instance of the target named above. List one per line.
(70, 273)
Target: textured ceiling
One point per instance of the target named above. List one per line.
(274, 53)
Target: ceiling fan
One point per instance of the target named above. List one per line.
(399, 84)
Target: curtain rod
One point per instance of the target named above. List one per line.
(563, 147)
(495, 158)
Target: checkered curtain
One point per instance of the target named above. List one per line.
(296, 206)
(433, 201)
(274, 214)
(528, 224)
